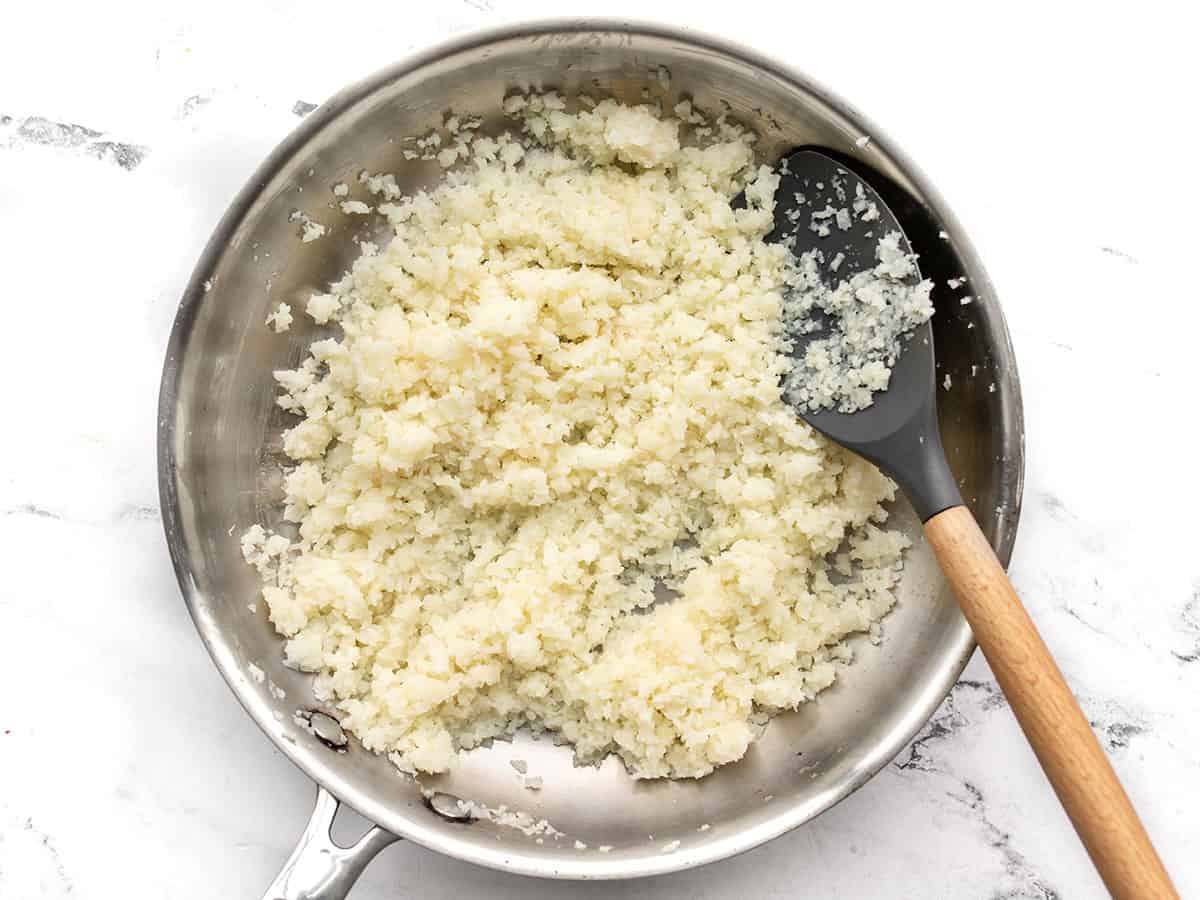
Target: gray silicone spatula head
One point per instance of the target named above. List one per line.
(898, 431)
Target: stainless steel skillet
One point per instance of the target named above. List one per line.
(220, 468)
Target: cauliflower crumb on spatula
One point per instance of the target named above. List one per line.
(863, 320)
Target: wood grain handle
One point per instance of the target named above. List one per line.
(1047, 711)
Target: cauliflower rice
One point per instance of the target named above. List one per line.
(556, 392)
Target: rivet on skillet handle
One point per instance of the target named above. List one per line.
(319, 869)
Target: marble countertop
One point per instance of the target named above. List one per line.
(127, 769)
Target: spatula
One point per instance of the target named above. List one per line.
(899, 433)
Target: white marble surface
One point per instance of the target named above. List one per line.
(1065, 140)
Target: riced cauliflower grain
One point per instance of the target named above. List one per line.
(310, 230)
(281, 319)
(556, 388)
(516, 819)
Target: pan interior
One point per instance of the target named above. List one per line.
(222, 466)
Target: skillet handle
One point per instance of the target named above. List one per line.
(1056, 728)
(319, 869)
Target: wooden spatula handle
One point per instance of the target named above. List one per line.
(1047, 711)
